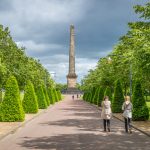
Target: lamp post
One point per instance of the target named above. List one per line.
(130, 72)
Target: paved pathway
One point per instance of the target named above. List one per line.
(73, 125)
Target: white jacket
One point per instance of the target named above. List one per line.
(127, 109)
(106, 110)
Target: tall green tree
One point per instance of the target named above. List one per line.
(17, 63)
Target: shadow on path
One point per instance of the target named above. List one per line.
(85, 119)
(86, 142)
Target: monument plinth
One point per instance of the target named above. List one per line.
(72, 77)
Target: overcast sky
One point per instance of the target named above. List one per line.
(42, 26)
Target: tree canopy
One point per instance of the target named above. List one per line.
(14, 61)
(131, 55)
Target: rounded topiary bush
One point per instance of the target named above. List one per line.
(46, 96)
(108, 93)
(41, 98)
(30, 104)
(118, 98)
(100, 96)
(11, 106)
(140, 109)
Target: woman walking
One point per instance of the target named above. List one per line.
(127, 114)
(106, 113)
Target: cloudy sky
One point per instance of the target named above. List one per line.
(42, 26)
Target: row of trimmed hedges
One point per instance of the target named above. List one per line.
(13, 109)
(94, 96)
(140, 109)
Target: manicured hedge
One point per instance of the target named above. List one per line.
(140, 109)
(118, 98)
(11, 106)
(51, 96)
(85, 95)
(30, 104)
(59, 95)
(96, 96)
(100, 96)
(46, 96)
(92, 95)
(55, 95)
(41, 98)
(108, 93)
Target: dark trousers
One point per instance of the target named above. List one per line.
(106, 123)
(127, 124)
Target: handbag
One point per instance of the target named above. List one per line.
(125, 114)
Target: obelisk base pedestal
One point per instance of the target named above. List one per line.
(73, 91)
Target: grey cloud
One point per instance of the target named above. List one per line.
(43, 28)
(5, 5)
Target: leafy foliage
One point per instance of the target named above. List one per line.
(51, 96)
(30, 104)
(118, 98)
(100, 96)
(108, 93)
(143, 10)
(131, 55)
(96, 96)
(41, 98)
(46, 96)
(61, 87)
(14, 61)
(11, 107)
(140, 109)
(59, 95)
(55, 95)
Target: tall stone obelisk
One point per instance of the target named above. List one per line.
(71, 77)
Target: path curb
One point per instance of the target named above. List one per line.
(133, 127)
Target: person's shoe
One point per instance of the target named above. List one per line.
(130, 131)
